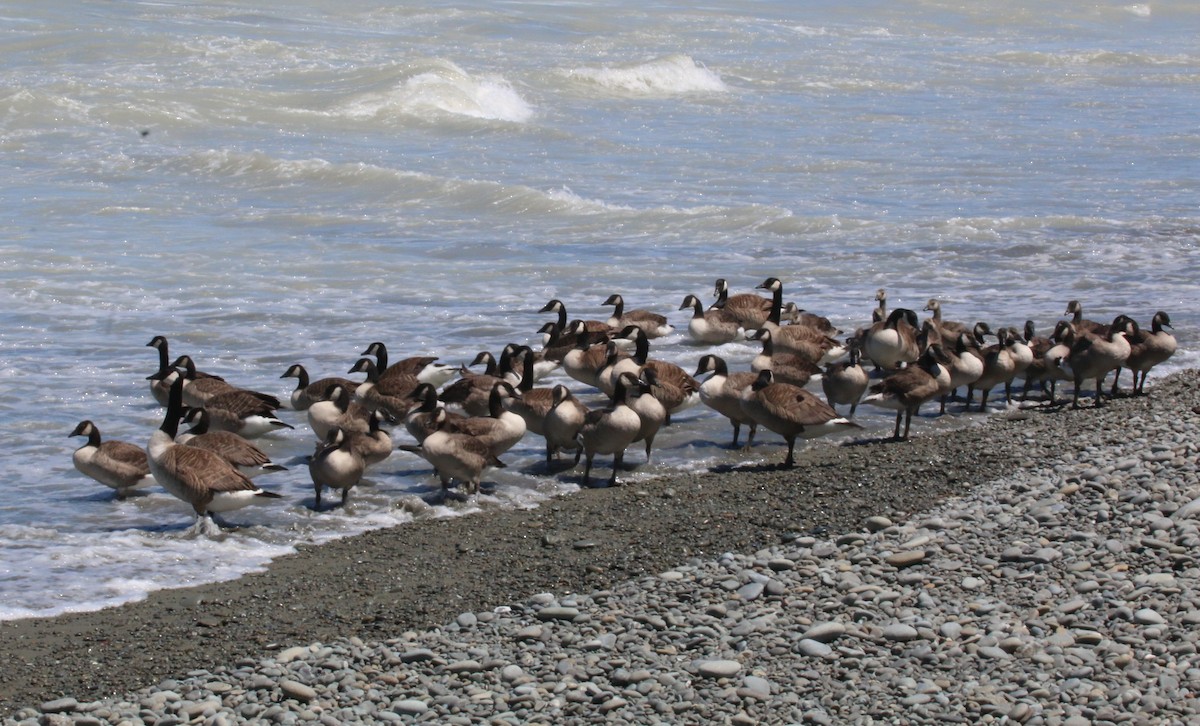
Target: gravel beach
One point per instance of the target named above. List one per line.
(1038, 567)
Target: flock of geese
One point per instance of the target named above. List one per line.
(463, 419)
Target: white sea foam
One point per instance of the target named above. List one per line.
(666, 76)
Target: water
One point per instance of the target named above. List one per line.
(267, 187)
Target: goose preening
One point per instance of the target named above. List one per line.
(500, 429)
(711, 327)
(906, 389)
(335, 465)
(209, 483)
(722, 392)
(338, 409)
(231, 447)
(654, 325)
(308, 392)
(894, 340)
(844, 382)
(563, 423)
(612, 429)
(791, 412)
(116, 464)
(584, 361)
(455, 456)
(671, 384)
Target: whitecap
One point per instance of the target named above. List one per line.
(666, 76)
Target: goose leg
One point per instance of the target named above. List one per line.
(896, 433)
(618, 459)
(737, 428)
(790, 461)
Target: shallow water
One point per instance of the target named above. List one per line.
(265, 189)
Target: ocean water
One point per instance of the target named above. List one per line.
(266, 186)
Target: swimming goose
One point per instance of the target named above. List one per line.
(714, 327)
(673, 386)
(556, 306)
(749, 309)
(1147, 350)
(1093, 356)
(948, 328)
(722, 392)
(791, 412)
(455, 456)
(116, 464)
(338, 410)
(201, 478)
(335, 464)
(787, 367)
(306, 393)
(654, 325)
(612, 429)
(160, 384)
(1082, 325)
(893, 341)
(906, 389)
(845, 382)
(242, 412)
(248, 458)
(563, 423)
(376, 393)
(425, 368)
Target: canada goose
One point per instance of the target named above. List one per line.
(471, 393)
(1093, 356)
(791, 412)
(672, 385)
(612, 429)
(654, 325)
(242, 412)
(798, 339)
(586, 359)
(964, 366)
(616, 362)
(197, 476)
(197, 390)
(456, 456)
(375, 444)
(880, 312)
(556, 306)
(1022, 359)
(798, 316)
(563, 423)
(1147, 350)
(649, 409)
(1050, 370)
(906, 389)
(999, 366)
(787, 367)
(338, 410)
(714, 327)
(160, 384)
(501, 429)
(750, 310)
(1083, 326)
(893, 341)
(722, 393)
(534, 403)
(306, 393)
(948, 328)
(540, 368)
(116, 464)
(335, 464)
(420, 421)
(425, 369)
(845, 382)
(375, 393)
(248, 458)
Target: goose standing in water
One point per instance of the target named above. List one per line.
(336, 465)
(425, 369)
(796, 368)
(1147, 350)
(564, 420)
(455, 456)
(160, 383)
(749, 309)
(309, 392)
(248, 458)
(905, 390)
(844, 382)
(116, 464)
(210, 484)
(893, 341)
(791, 412)
(722, 392)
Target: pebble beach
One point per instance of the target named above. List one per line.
(1036, 566)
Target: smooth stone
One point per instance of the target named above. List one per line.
(900, 633)
(1148, 616)
(410, 707)
(297, 690)
(718, 668)
(418, 655)
(557, 613)
(878, 523)
(906, 559)
(824, 632)
(814, 648)
(60, 705)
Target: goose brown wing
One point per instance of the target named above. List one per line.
(130, 458)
